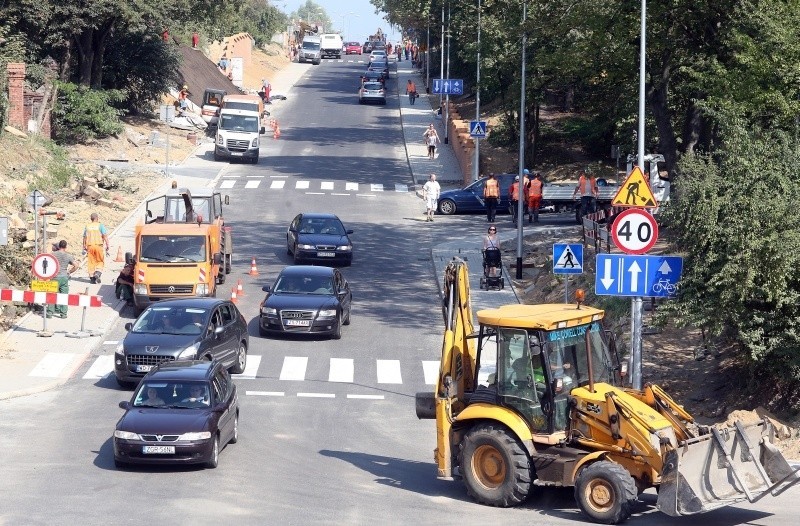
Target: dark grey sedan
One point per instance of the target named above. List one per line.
(187, 328)
(306, 299)
(321, 238)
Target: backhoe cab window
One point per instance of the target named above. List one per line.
(566, 351)
(518, 365)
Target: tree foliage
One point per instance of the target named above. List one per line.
(82, 114)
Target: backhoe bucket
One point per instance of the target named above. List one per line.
(726, 466)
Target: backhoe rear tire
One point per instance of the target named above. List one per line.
(605, 492)
(495, 466)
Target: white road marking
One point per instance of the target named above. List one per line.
(294, 368)
(389, 372)
(334, 193)
(366, 397)
(227, 184)
(255, 176)
(376, 187)
(110, 342)
(341, 370)
(326, 185)
(315, 193)
(400, 187)
(101, 367)
(351, 187)
(316, 395)
(264, 393)
(431, 370)
(251, 369)
(277, 184)
(52, 364)
(252, 184)
(301, 185)
(366, 195)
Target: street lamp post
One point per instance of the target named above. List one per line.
(447, 96)
(521, 145)
(476, 161)
(441, 61)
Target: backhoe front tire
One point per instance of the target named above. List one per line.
(605, 492)
(495, 466)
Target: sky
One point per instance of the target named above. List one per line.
(359, 20)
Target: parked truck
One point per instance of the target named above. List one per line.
(183, 247)
(536, 397)
(331, 45)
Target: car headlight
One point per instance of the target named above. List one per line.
(220, 140)
(306, 247)
(202, 435)
(126, 435)
(269, 310)
(120, 348)
(327, 313)
(255, 143)
(344, 248)
(201, 289)
(140, 289)
(189, 352)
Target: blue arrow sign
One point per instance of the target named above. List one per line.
(448, 86)
(477, 129)
(647, 276)
(567, 258)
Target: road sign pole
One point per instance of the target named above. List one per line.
(566, 289)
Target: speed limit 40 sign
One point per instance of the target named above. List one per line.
(634, 231)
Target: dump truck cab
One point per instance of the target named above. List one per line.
(183, 247)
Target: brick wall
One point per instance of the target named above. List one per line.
(239, 45)
(462, 144)
(16, 96)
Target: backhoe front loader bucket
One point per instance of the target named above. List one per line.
(726, 466)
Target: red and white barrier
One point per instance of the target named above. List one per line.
(50, 298)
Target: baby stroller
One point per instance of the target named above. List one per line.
(492, 270)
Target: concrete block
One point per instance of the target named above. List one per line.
(105, 202)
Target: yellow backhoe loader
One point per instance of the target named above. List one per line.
(551, 410)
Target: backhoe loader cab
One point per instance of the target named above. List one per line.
(554, 413)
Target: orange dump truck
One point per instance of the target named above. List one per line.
(183, 247)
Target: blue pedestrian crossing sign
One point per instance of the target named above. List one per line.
(645, 276)
(567, 258)
(477, 129)
(448, 86)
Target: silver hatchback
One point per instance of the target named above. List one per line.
(372, 92)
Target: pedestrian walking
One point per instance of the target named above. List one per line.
(513, 198)
(195, 40)
(588, 191)
(534, 197)
(66, 266)
(430, 193)
(491, 194)
(95, 236)
(411, 91)
(431, 138)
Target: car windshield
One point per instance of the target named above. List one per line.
(567, 353)
(172, 395)
(173, 249)
(163, 319)
(311, 46)
(323, 226)
(304, 285)
(244, 123)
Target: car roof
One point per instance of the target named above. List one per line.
(205, 303)
(183, 370)
(319, 215)
(307, 270)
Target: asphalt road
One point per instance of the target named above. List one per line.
(311, 450)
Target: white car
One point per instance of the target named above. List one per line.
(379, 54)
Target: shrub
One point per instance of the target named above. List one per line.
(82, 114)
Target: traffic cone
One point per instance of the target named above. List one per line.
(253, 269)
(234, 299)
(119, 258)
(239, 289)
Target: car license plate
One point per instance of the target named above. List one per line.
(143, 368)
(237, 154)
(158, 450)
(326, 254)
(299, 323)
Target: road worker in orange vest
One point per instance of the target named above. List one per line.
(588, 191)
(491, 195)
(95, 236)
(534, 197)
(513, 199)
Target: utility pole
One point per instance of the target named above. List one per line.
(476, 162)
(441, 61)
(521, 145)
(447, 96)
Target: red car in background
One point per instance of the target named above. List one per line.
(352, 48)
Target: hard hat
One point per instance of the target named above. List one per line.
(516, 178)
(185, 86)
(526, 171)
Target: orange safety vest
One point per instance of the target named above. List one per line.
(492, 189)
(535, 188)
(592, 187)
(93, 235)
(514, 191)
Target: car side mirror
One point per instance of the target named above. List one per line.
(218, 330)
(128, 326)
(349, 231)
(124, 404)
(263, 130)
(265, 288)
(217, 258)
(129, 258)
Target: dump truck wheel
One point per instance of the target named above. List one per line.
(605, 492)
(496, 468)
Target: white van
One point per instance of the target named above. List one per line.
(238, 135)
(310, 50)
(331, 45)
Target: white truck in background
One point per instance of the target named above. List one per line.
(331, 45)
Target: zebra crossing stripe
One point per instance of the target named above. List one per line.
(51, 365)
(351, 187)
(431, 371)
(365, 397)
(251, 369)
(100, 368)
(389, 372)
(400, 187)
(228, 183)
(326, 185)
(376, 187)
(316, 395)
(277, 185)
(341, 370)
(294, 368)
(252, 184)
(301, 185)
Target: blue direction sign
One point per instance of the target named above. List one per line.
(567, 258)
(448, 86)
(477, 129)
(627, 275)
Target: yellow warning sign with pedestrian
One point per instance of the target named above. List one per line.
(635, 192)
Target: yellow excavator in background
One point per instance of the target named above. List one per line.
(553, 411)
